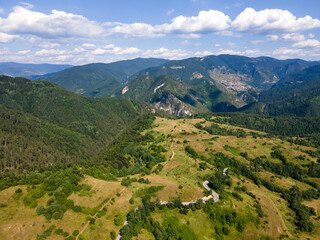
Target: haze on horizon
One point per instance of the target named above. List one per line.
(79, 32)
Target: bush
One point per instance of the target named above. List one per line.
(118, 221)
(113, 235)
(40, 210)
(92, 221)
(75, 233)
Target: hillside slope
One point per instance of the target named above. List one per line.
(100, 79)
(70, 125)
(176, 97)
(297, 94)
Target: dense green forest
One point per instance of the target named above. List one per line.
(45, 126)
(296, 94)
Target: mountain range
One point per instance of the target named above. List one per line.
(32, 71)
(100, 79)
(223, 83)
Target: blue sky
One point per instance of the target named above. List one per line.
(80, 32)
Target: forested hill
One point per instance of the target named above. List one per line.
(48, 120)
(231, 71)
(100, 79)
(297, 94)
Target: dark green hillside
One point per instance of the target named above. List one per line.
(30, 144)
(297, 94)
(44, 125)
(294, 84)
(100, 79)
(52, 103)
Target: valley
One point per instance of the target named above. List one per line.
(191, 156)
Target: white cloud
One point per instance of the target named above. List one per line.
(55, 25)
(88, 45)
(1, 10)
(27, 5)
(190, 36)
(206, 22)
(203, 54)
(50, 52)
(284, 51)
(171, 11)
(272, 37)
(112, 49)
(136, 30)
(310, 35)
(309, 43)
(167, 53)
(247, 52)
(230, 52)
(270, 21)
(186, 27)
(49, 45)
(6, 38)
(23, 52)
(293, 37)
(130, 50)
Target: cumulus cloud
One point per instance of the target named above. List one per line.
(187, 27)
(88, 45)
(50, 52)
(6, 38)
(167, 53)
(203, 54)
(136, 30)
(272, 21)
(293, 37)
(23, 52)
(54, 25)
(309, 43)
(206, 22)
(285, 51)
(248, 52)
(112, 49)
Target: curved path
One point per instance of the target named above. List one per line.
(94, 216)
(214, 195)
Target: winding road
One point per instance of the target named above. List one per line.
(214, 195)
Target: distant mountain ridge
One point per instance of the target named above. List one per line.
(28, 70)
(212, 83)
(237, 73)
(184, 87)
(100, 79)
